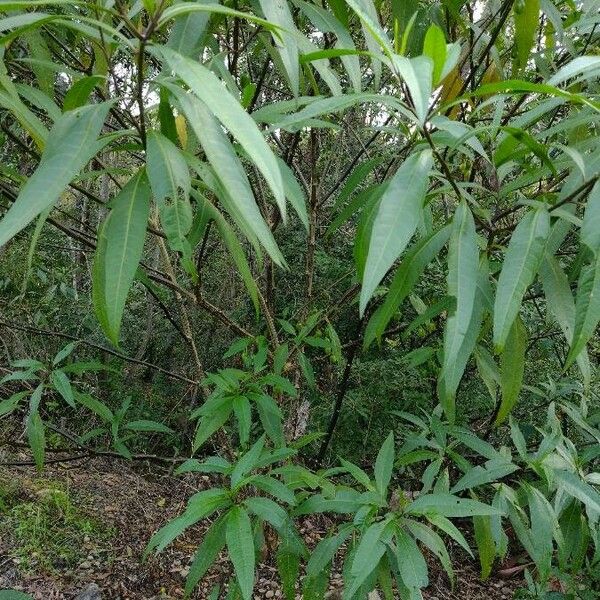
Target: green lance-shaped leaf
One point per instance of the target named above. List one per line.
(375, 36)
(463, 273)
(278, 13)
(526, 15)
(325, 21)
(396, 220)
(71, 143)
(521, 262)
(171, 183)
(512, 368)
(485, 544)
(188, 31)
(384, 464)
(240, 544)
(590, 228)
(233, 245)
(407, 274)
(560, 304)
(167, 170)
(228, 169)
(587, 308)
(411, 562)
(120, 247)
(36, 436)
(417, 73)
(207, 552)
(434, 46)
(228, 110)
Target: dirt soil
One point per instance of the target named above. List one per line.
(135, 503)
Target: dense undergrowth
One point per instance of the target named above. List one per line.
(342, 258)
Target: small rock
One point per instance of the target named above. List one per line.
(85, 565)
(506, 590)
(91, 592)
(270, 594)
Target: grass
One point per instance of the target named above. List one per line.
(46, 529)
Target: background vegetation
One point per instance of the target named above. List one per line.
(342, 256)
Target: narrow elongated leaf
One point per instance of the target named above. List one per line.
(212, 544)
(247, 461)
(324, 552)
(417, 73)
(63, 386)
(10, 404)
(167, 170)
(587, 308)
(228, 169)
(375, 36)
(582, 65)
(579, 489)
(227, 109)
(278, 13)
(396, 220)
(463, 273)
(411, 563)
(232, 244)
(200, 505)
(288, 566)
(267, 510)
(119, 253)
(521, 262)
(512, 368)
(485, 544)
(240, 544)
(188, 30)
(407, 274)
(450, 529)
(429, 538)
(449, 505)
(526, 16)
(325, 21)
(384, 465)
(543, 525)
(434, 46)
(364, 563)
(71, 143)
(37, 438)
(294, 192)
(561, 305)
(590, 229)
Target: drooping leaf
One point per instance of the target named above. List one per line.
(396, 220)
(228, 169)
(120, 248)
(463, 273)
(526, 15)
(384, 464)
(63, 386)
(227, 109)
(411, 562)
(561, 305)
(212, 543)
(521, 262)
(71, 143)
(485, 544)
(587, 309)
(278, 12)
(590, 228)
(240, 545)
(407, 274)
(512, 368)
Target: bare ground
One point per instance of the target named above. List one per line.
(134, 503)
